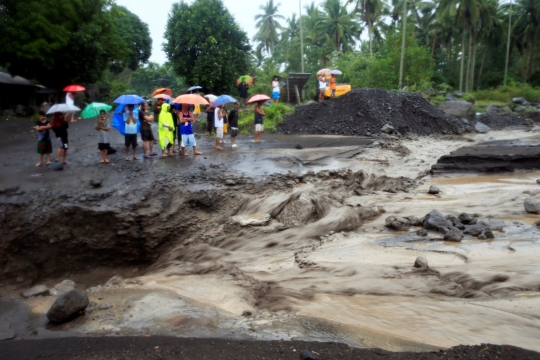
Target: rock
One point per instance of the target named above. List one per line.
(458, 94)
(298, 147)
(465, 218)
(405, 89)
(519, 100)
(95, 183)
(482, 236)
(67, 305)
(105, 306)
(398, 223)
(63, 287)
(489, 234)
(38, 290)
(414, 220)
(481, 128)
(531, 206)
(476, 229)
(246, 313)
(308, 355)
(454, 234)
(537, 223)
(387, 128)
(460, 109)
(434, 190)
(520, 109)
(115, 281)
(57, 166)
(436, 221)
(533, 115)
(311, 102)
(421, 262)
(492, 109)
(422, 232)
(230, 182)
(252, 220)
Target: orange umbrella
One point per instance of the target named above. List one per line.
(257, 98)
(73, 88)
(162, 96)
(191, 99)
(162, 91)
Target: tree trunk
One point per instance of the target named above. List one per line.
(434, 42)
(468, 75)
(530, 61)
(481, 68)
(370, 38)
(473, 65)
(402, 60)
(462, 61)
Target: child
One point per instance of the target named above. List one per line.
(146, 119)
(166, 130)
(103, 136)
(333, 86)
(186, 130)
(233, 124)
(275, 89)
(218, 124)
(130, 136)
(44, 138)
(59, 126)
(259, 121)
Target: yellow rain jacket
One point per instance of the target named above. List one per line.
(166, 136)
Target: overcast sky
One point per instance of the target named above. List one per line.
(155, 14)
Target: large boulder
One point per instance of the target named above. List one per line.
(531, 206)
(67, 305)
(454, 234)
(460, 109)
(481, 128)
(63, 287)
(436, 221)
(476, 229)
(398, 223)
(519, 100)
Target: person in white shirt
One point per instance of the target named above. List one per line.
(275, 89)
(218, 124)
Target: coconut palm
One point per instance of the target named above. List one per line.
(526, 30)
(339, 25)
(267, 35)
(370, 11)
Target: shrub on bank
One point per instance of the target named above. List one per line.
(505, 94)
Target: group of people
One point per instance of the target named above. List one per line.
(59, 126)
(324, 83)
(243, 90)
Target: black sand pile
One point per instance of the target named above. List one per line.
(363, 112)
(501, 121)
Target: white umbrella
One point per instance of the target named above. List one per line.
(63, 108)
(336, 72)
(210, 97)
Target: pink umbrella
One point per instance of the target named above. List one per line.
(73, 88)
(257, 98)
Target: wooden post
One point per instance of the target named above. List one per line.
(298, 100)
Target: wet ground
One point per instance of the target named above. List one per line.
(322, 266)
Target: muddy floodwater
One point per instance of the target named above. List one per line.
(286, 240)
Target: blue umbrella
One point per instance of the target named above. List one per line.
(129, 99)
(223, 99)
(196, 87)
(118, 119)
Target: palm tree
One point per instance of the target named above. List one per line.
(267, 35)
(370, 11)
(290, 33)
(338, 25)
(527, 31)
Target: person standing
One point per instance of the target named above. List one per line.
(333, 86)
(70, 101)
(155, 123)
(44, 145)
(259, 121)
(130, 135)
(103, 136)
(275, 89)
(59, 126)
(186, 131)
(218, 124)
(322, 87)
(233, 124)
(210, 118)
(243, 91)
(147, 135)
(166, 130)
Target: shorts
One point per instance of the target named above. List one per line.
(219, 132)
(147, 135)
(44, 147)
(333, 92)
(234, 132)
(104, 146)
(243, 100)
(275, 95)
(188, 140)
(259, 127)
(130, 140)
(62, 143)
(322, 89)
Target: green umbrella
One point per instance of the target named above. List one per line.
(93, 109)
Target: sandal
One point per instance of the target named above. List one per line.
(136, 158)
(146, 156)
(127, 159)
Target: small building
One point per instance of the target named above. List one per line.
(16, 90)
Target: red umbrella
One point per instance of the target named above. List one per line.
(257, 98)
(73, 88)
(162, 91)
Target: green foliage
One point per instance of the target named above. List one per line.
(469, 97)
(206, 46)
(274, 116)
(437, 100)
(506, 93)
(267, 25)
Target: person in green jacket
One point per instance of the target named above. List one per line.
(166, 130)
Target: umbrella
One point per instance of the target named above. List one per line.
(93, 109)
(324, 72)
(336, 72)
(129, 100)
(162, 91)
(249, 79)
(223, 99)
(63, 108)
(118, 119)
(162, 96)
(257, 98)
(191, 99)
(210, 97)
(72, 88)
(193, 88)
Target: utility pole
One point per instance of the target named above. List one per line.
(508, 43)
(301, 35)
(403, 46)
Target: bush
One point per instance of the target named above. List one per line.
(437, 100)
(506, 93)
(274, 116)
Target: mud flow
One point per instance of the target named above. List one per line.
(275, 242)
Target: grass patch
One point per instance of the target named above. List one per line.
(481, 105)
(274, 116)
(505, 94)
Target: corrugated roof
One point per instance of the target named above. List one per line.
(6, 78)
